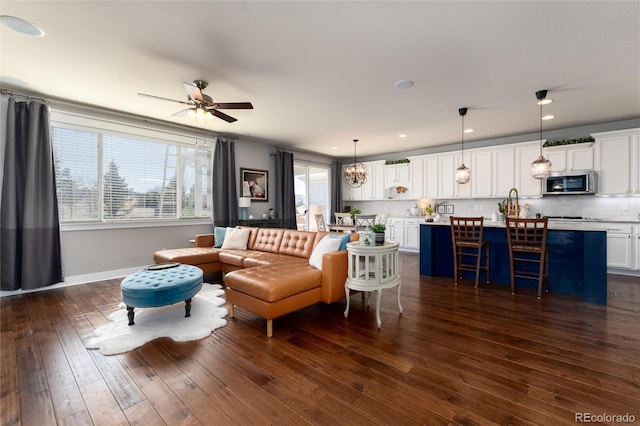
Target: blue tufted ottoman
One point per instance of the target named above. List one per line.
(161, 285)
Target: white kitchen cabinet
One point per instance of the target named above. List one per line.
(405, 231)
(397, 175)
(446, 176)
(617, 162)
(395, 230)
(637, 249)
(620, 249)
(412, 234)
(373, 188)
(503, 171)
(570, 157)
(481, 173)
(527, 185)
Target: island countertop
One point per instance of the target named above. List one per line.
(577, 256)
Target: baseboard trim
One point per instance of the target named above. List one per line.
(79, 279)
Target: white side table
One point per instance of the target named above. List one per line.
(372, 268)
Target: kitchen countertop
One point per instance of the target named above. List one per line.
(573, 225)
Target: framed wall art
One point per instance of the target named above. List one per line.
(254, 184)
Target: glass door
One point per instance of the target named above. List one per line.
(311, 185)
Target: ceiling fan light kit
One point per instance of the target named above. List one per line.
(355, 174)
(198, 101)
(541, 167)
(463, 173)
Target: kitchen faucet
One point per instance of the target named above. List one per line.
(512, 209)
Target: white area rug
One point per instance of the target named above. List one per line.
(168, 321)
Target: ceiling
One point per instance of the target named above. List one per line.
(321, 73)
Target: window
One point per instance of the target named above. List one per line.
(105, 174)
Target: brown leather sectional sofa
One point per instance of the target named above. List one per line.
(272, 277)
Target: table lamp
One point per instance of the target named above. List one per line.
(244, 203)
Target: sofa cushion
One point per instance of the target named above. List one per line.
(236, 239)
(326, 245)
(259, 258)
(270, 283)
(268, 240)
(297, 243)
(233, 257)
(188, 256)
(219, 233)
(344, 239)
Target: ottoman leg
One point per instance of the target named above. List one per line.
(130, 314)
(187, 307)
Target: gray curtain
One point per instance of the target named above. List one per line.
(285, 193)
(336, 188)
(30, 250)
(225, 194)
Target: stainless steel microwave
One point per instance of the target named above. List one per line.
(574, 182)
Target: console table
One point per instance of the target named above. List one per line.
(261, 223)
(372, 268)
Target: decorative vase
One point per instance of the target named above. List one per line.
(428, 218)
(379, 238)
(367, 237)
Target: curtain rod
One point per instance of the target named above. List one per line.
(23, 95)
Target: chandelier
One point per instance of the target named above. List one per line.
(355, 174)
(541, 168)
(462, 172)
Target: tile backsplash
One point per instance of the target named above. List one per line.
(586, 206)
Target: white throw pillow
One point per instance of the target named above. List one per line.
(326, 245)
(236, 238)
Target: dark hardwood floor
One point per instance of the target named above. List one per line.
(457, 355)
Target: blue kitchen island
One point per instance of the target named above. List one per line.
(577, 258)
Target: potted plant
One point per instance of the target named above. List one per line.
(500, 214)
(379, 229)
(354, 211)
(429, 213)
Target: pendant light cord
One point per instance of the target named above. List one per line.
(541, 128)
(462, 139)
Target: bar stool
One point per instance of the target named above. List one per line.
(466, 236)
(528, 251)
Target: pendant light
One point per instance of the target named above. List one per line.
(355, 174)
(462, 172)
(541, 168)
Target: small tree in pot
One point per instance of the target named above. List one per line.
(379, 229)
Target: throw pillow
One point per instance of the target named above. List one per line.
(326, 245)
(344, 239)
(218, 236)
(236, 238)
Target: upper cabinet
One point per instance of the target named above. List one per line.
(618, 162)
(372, 189)
(525, 154)
(397, 175)
(565, 158)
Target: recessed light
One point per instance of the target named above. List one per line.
(468, 130)
(21, 26)
(545, 101)
(334, 147)
(402, 135)
(549, 117)
(403, 84)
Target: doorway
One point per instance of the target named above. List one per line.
(311, 186)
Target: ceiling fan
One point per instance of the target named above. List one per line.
(199, 101)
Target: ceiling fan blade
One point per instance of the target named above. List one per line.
(164, 99)
(194, 92)
(234, 105)
(182, 113)
(223, 116)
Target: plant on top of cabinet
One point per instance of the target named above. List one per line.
(401, 161)
(568, 141)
